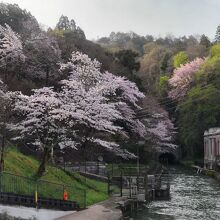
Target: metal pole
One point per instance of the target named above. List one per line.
(138, 162)
(146, 186)
(1, 177)
(85, 173)
(138, 168)
(112, 168)
(121, 184)
(108, 184)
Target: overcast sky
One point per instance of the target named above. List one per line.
(157, 17)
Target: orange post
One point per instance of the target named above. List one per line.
(65, 195)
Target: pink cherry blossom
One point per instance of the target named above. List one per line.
(182, 79)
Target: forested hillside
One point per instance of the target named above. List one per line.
(182, 75)
(64, 96)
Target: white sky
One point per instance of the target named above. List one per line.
(157, 17)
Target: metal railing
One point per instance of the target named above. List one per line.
(11, 183)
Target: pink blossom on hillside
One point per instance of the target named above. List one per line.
(98, 101)
(85, 73)
(161, 131)
(39, 117)
(182, 79)
(11, 50)
(129, 90)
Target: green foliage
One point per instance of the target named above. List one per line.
(128, 59)
(164, 63)
(210, 71)
(153, 65)
(201, 108)
(215, 51)
(163, 86)
(180, 58)
(200, 111)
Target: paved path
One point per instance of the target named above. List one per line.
(103, 211)
(29, 213)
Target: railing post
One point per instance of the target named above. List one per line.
(108, 184)
(121, 184)
(146, 186)
(85, 198)
(63, 191)
(130, 187)
(1, 177)
(36, 195)
(112, 169)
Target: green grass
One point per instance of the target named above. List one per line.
(75, 184)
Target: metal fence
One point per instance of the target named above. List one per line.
(120, 169)
(98, 168)
(11, 183)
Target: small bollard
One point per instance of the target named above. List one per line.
(36, 198)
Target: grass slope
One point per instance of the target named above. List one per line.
(76, 185)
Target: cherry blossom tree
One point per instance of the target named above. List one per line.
(110, 100)
(182, 79)
(39, 122)
(90, 116)
(43, 55)
(160, 130)
(88, 108)
(7, 103)
(128, 95)
(11, 50)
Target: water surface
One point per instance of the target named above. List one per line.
(193, 196)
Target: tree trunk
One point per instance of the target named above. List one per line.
(52, 156)
(42, 167)
(47, 76)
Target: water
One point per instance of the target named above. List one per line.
(192, 197)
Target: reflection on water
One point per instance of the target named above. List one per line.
(192, 197)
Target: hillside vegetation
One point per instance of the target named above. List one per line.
(76, 185)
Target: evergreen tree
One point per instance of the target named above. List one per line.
(217, 35)
(204, 40)
(63, 23)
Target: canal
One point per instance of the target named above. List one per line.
(193, 196)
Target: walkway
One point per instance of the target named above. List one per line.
(106, 210)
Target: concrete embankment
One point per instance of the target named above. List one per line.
(107, 210)
(211, 173)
